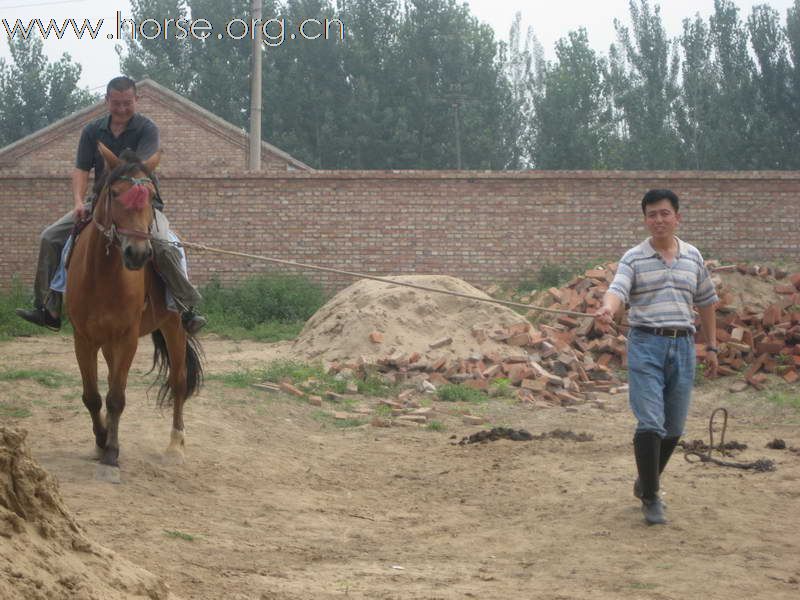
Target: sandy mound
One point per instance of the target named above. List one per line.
(409, 320)
(44, 554)
(739, 290)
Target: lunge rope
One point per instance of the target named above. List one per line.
(204, 248)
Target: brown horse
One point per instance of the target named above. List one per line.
(115, 296)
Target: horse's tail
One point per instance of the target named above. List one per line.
(161, 362)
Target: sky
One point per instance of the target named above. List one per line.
(549, 20)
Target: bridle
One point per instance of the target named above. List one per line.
(111, 231)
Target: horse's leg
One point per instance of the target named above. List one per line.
(86, 354)
(175, 338)
(121, 355)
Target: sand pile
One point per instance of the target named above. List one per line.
(408, 320)
(44, 553)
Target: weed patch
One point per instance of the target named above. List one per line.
(264, 308)
(451, 392)
(180, 535)
(785, 398)
(50, 379)
(13, 412)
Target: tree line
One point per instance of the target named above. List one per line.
(422, 84)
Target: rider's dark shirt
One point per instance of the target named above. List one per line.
(140, 136)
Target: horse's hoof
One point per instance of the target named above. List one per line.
(107, 473)
(172, 457)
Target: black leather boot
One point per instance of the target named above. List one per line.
(647, 449)
(667, 447)
(41, 317)
(192, 321)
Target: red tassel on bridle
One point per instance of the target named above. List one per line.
(135, 198)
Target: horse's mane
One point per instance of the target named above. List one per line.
(130, 163)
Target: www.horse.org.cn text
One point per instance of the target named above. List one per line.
(274, 31)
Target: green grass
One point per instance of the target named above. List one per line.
(270, 331)
(374, 386)
(435, 426)
(298, 374)
(11, 325)
(278, 371)
(13, 412)
(501, 387)
(382, 410)
(451, 392)
(327, 418)
(344, 423)
(555, 275)
(265, 308)
(50, 379)
(785, 398)
(700, 374)
(238, 379)
(638, 585)
(180, 535)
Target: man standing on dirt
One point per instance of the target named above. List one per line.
(661, 279)
(122, 128)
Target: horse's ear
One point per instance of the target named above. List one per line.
(112, 162)
(151, 163)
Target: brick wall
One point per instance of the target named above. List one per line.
(484, 227)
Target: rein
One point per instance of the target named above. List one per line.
(112, 232)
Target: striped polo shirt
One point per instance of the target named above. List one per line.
(662, 295)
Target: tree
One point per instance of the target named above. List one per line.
(643, 76)
(571, 113)
(772, 139)
(410, 83)
(524, 70)
(697, 112)
(308, 93)
(793, 40)
(170, 58)
(735, 104)
(212, 72)
(35, 92)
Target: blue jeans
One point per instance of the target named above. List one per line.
(660, 380)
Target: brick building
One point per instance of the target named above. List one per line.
(484, 227)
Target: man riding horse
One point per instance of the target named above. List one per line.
(123, 128)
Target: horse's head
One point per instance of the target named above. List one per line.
(124, 206)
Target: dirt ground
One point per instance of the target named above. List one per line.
(275, 501)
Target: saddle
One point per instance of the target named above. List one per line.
(79, 226)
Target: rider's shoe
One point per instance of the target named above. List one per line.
(193, 322)
(40, 317)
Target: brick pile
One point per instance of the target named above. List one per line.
(760, 336)
(564, 360)
(561, 363)
(757, 341)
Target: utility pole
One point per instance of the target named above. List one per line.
(458, 136)
(255, 88)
